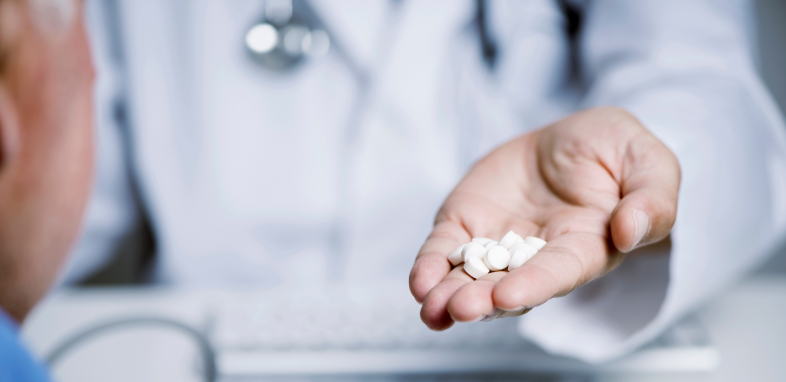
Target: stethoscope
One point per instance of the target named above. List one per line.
(288, 33)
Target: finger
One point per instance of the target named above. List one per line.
(565, 263)
(434, 311)
(650, 185)
(473, 301)
(431, 264)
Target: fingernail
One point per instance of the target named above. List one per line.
(641, 224)
(476, 319)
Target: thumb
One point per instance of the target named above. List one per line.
(649, 188)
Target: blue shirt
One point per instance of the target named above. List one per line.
(16, 364)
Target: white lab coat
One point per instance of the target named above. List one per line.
(241, 171)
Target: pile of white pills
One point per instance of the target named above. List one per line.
(483, 255)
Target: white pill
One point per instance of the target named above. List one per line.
(455, 256)
(519, 239)
(530, 249)
(517, 260)
(535, 242)
(475, 267)
(481, 240)
(490, 244)
(519, 254)
(509, 239)
(472, 250)
(497, 258)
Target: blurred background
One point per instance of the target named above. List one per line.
(772, 32)
(772, 39)
(117, 272)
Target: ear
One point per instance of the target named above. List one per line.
(9, 130)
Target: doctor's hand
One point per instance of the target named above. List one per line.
(594, 185)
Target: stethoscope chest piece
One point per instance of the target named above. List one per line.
(283, 38)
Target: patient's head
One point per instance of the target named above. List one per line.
(46, 81)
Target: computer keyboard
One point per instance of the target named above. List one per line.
(382, 317)
(376, 329)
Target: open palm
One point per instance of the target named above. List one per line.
(594, 185)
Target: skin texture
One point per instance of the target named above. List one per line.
(46, 79)
(595, 185)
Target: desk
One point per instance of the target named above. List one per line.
(747, 325)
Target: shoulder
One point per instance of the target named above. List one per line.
(16, 363)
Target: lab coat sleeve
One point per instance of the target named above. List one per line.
(685, 69)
